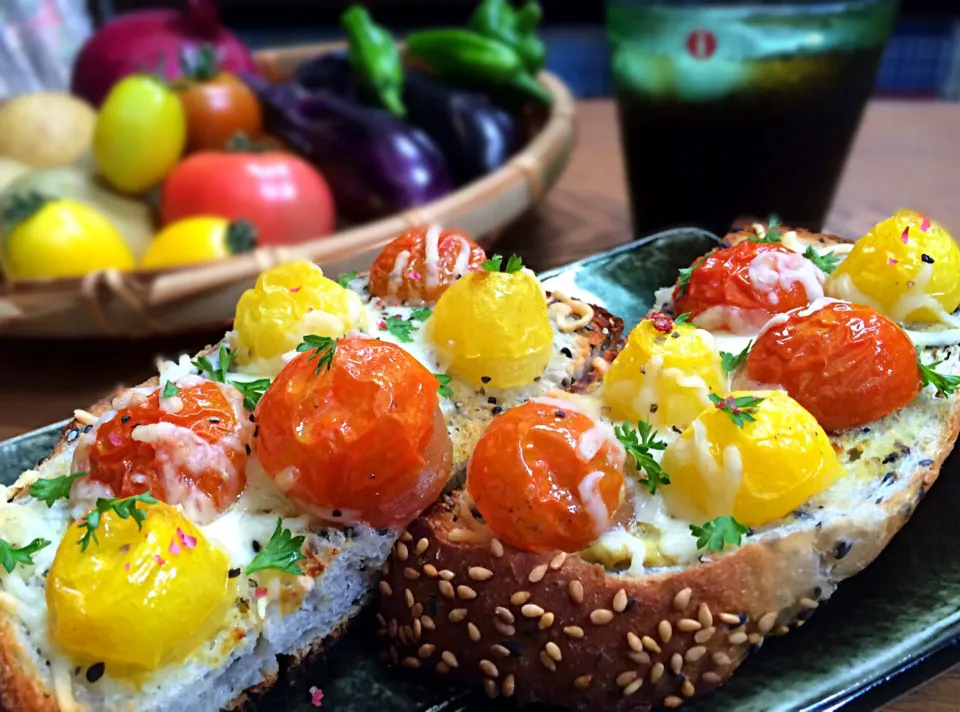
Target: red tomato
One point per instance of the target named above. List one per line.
(739, 288)
(191, 452)
(402, 271)
(543, 479)
(845, 363)
(361, 440)
(217, 109)
(286, 198)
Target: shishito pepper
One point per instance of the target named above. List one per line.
(517, 28)
(465, 55)
(374, 58)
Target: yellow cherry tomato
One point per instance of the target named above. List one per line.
(758, 472)
(664, 374)
(48, 237)
(140, 133)
(289, 301)
(199, 239)
(138, 599)
(492, 328)
(907, 267)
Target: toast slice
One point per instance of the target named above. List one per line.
(590, 630)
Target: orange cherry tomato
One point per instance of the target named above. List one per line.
(739, 288)
(362, 440)
(546, 476)
(845, 363)
(217, 109)
(403, 271)
(190, 449)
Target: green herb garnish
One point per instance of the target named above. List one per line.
(687, 273)
(825, 263)
(421, 313)
(514, 264)
(219, 372)
(281, 553)
(251, 390)
(51, 489)
(323, 348)
(731, 362)
(125, 508)
(638, 444)
(682, 319)
(769, 234)
(945, 385)
(739, 409)
(169, 390)
(345, 278)
(11, 555)
(444, 391)
(719, 532)
(401, 329)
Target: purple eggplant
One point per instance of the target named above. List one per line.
(475, 135)
(375, 164)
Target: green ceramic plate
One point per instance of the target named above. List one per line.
(884, 631)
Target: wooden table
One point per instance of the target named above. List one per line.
(907, 154)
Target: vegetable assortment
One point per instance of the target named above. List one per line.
(204, 158)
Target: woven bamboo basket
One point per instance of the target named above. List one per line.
(140, 304)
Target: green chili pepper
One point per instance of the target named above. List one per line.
(516, 28)
(374, 57)
(464, 55)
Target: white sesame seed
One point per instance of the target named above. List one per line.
(672, 701)
(411, 663)
(738, 638)
(583, 682)
(650, 644)
(633, 640)
(496, 548)
(385, 589)
(381, 620)
(781, 630)
(473, 632)
(531, 610)
(504, 628)
(499, 651)
(385, 569)
(665, 630)
(408, 597)
(632, 687)
(553, 650)
(546, 620)
(601, 616)
(426, 650)
(519, 598)
(508, 686)
(403, 635)
(457, 615)
(394, 655)
(447, 575)
(450, 659)
(711, 678)
(702, 636)
(536, 576)
(446, 588)
(641, 658)
(766, 622)
(695, 654)
(406, 536)
(682, 599)
(417, 629)
(428, 623)
(466, 593)
(402, 552)
(574, 631)
(504, 614)
(478, 573)
(688, 625)
(626, 677)
(676, 663)
(575, 590)
(393, 628)
(809, 603)
(656, 672)
(557, 561)
(799, 624)
(721, 659)
(416, 611)
(686, 689)
(489, 669)
(441, 668)
(754, 638)
(704, 616)
(490, 687)
(422, 546)
(547, 661)
(620, 601)
(730, 619)
(430, 570)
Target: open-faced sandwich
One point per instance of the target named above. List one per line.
(760, 437)
(188, 534)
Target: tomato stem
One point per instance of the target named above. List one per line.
(241, 236)
(22, 207)
(241, 143)
(199, 64)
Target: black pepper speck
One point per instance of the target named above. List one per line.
(925, 463)
(233, 573)
(888, 478)
(926, 258)
(491, 400)
(336, 513)
(496, 410)
(561, 414)
(124, 419)
(252, 418)
(566, 352)
(892, 457)
(485, 379)
(256, 430)
(88, 429)
(654, 407)
(842, 549)
(256, 546)
(247, 447)
(95, 672)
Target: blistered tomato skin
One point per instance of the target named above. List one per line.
(361, 441)
(546, 476)
(138, 600)
(907, 267)
(420, 264)
(757, 473)
(739, 288)
(493, 330)
(845, 363)
(189, 449)
(664, 374)
(287, 302)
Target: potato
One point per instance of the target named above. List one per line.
(46, 129)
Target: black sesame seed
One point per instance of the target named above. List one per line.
(654, 407)
(677, 430)
(496, 410)
(432, 604)
(383, 531)
(892, 457)
(925, 463)
(72, 434)
(41, 461)
(681, 678)
(888, 478)
(566, 352)
(88, 429)
(256, 546)
(251, 417)
(864, 430)
(124, 419)
(214, 420)
(878, 500)
(76, 670)
(816, 593)
(741, 620)
(513, 646)
(95, 672)
(485, 379)
(247, 447)
(336, 513)
(233, 573)
(675, 335)
(491, 400)
(561, 414)
(251, 583)
(536, 379)
(926, 258)
(256, 430)
(842, 549)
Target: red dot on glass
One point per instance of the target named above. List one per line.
(701, 44)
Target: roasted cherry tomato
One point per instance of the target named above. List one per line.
(163, 585)
(357, 435)
(187, 449)
(739, 288)
(421, 263)
(285, 198)
(547, 476)
(845, 363)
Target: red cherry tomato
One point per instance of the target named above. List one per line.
(285, 198)
(546, 476)
(845, 363)
(403, 271)
(363, 440)
(191, 451)
(739, 288)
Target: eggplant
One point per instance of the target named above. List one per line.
(475, 135)
(376, 165)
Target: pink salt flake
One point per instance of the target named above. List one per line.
(905, 237)
(188, 541)
(126, 566)
(309, 309)
(316, 696)
(174, 547)
(924, 223)
(159, 559)
(415, 276)
(260, 592)
(382, 325)
(115, 439)
(294, 290)
(892, 261)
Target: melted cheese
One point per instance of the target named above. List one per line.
(773, 270)
(914, 298)
(396, 274)
(432, 254)
(589, 491)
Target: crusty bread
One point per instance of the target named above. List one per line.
(555, 628)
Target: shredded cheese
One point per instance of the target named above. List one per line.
(564, 306)
(396, 274)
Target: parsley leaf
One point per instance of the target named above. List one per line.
(945, 385)
(493, 264)
(251, 390)
(344, 279)
(51, 489)
(514, 264)
(739, 409)
(638, 444)
(124, 508)
(719, 532)
(11, 555)
(401, 329)
(323, 348)
(770, 235)
(421, 314)
(682, 319)
(731, 362)
(224, 361)
(169, 390)
(444, 391)
(686, 273)
(282, 553)
(825, 263)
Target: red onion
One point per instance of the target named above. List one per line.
(141, 41)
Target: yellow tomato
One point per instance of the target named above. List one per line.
(59, 238)
(289, 301)
(492, 328)
(758, 472)
(138, 599)
(907, 267)
(665, 377)
(199, 239)
(140, 133)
